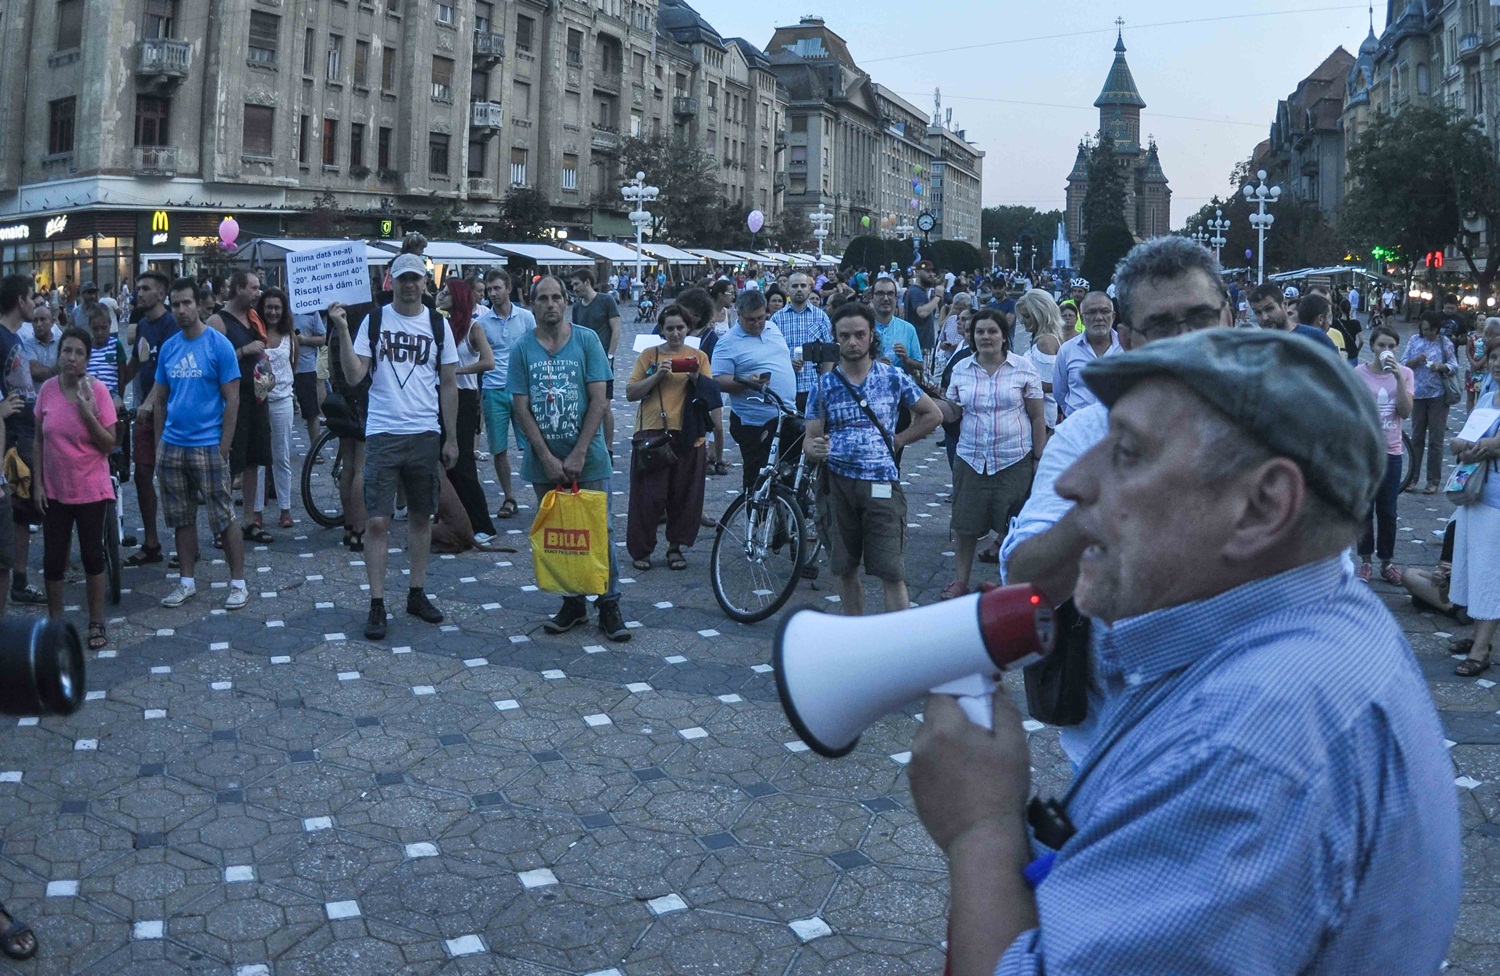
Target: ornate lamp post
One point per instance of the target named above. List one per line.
(820, 219)
(1200, 237)
(1220, 226)
(994, 250)
(638, 194)
(1262, 195)
(1016, 249)
(905, 230)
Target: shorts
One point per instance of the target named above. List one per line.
(415, 459)
(499, 421)
(143, 445)
(181, 473)
(986, 502)
(7, 532)
(305, 389)
(859, 528)
(322, 371)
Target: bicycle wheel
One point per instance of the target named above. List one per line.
(757, 556)
(807, 499)
(1408, 470)
(320, 482)
(112, 549)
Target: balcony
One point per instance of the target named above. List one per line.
(779, 181)
(163, 61)
(488, 48)
(1468, 47)
(780, 141)
(158, 161)
(481, 187)
(607, 78)
(605, 137)
(487, 118)
(684, 105)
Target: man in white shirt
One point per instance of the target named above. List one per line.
(413, 365)
(1098, 339)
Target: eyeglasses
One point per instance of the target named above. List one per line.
(1203, 317)
(1099, 313)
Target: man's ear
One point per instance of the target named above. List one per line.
(1272, 499)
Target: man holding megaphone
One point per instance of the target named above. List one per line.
(1266, 790)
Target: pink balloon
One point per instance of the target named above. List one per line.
(756, 221)
(229, 230)
(914, 203)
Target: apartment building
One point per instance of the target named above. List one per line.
(1305, 152)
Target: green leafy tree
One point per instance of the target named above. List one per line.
(1104, 202)
(689, 210)
(524, 214)
(1107, 245)
(793, 231)
(1013, 225)
(867, 252)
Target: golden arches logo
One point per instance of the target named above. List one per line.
(159, 223)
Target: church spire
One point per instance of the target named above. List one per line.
(1119, 87)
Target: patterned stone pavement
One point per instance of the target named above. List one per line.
(265, 792)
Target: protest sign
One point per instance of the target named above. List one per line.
(319, 277)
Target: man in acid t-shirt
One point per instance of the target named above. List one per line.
(413, 365)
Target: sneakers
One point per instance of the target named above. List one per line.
(575, 611)
(1363, 573)
(482, 538)
(612, 623)
(179, 596)
(420, 607)
(375, 622)
(1391, 573)
(400, 514)
(237, 598)
(28, 595)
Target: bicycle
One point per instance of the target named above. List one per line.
(320, 493)
(767, 540)
(114, 521)
(1408, 470)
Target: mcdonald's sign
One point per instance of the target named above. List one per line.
(155, 231)
(161, 228)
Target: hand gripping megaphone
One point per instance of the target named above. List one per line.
(837, 675)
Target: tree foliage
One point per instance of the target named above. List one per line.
(1104, 201)
(1026, 226)
(1107, 245)
(689, 209)
(794, 232)
(524, 214)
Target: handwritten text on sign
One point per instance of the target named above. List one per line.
(319, 277)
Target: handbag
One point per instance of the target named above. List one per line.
(651, 450)
(1057, 685)
(1466, 482)
(1453, 388)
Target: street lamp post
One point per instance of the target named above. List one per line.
(1262, 195)
(1033, 259)
(1016, 250)
(1200, 237)
(994, 259)
(820, 219)
(1220, 226)
(905, 230)
(638, 194)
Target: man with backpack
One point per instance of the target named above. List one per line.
(409, 354)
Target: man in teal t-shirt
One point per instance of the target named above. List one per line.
(558, 374)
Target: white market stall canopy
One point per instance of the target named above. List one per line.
(608, 250)
(750, 256)
(801, 258)
(1336, 269)
(780, 258)
(265, 249)
(543, 254)
(447, 252)
(712, 255)
(670, 254)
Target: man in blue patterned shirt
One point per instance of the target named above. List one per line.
(1268, 791)
(800, 323)
(851, 413)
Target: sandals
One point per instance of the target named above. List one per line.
(143, 557)
(1470, 668)
(286, 521)
(719, 467)
(255, 532)
(989, 555)
(1460, 645)
(954, 590)
(641, 564)
(675, 560)
(508, 509)
(98, 636)
(1431, 488)
(13, 939)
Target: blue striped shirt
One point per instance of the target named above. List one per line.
(809, 325)
(1268, 794)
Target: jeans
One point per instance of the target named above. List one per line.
(1429, 422)
(281, 456)
(613, 595)
(1380, 527)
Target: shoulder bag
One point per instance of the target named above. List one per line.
(864, 404)
(651, 450)
(1453, 384)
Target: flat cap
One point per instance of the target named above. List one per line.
(1288, 393)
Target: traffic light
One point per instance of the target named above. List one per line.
(1435, 260)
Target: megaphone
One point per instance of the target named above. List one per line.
(838, 675)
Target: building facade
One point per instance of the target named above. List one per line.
(1305, 154)
(137, 126)
(1148, 194)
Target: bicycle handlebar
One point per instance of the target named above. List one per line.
(767, 395)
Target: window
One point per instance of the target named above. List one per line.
(521, 100)
(151, 116)
(635, 125)
(259, 127)
(437, 153)
(476, 159)
(575, 47)
(383, 148)
(799, 156)
(157, 24)
(60, 130)
(388, 70)
(570, 171)
(361, 62)
(330, 142)
(356, 144)
(713, 96)
(308, 50)
(479, 86)
(302, 133)
(335, 57)
(69, 24)
(640, 66)
(605, 113)
(264, 31)
(799, 123)
(572, 108)
(484, 15)
(518, 167)
(445, 13)
(442, 79)
(525, 26)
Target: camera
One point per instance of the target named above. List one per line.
(41, 667)
(820, 352)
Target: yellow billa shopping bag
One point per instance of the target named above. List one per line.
(570, 541)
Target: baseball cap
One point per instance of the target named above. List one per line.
(88, 286)
(1288, 393)
(924, 265)
(1290, 291)
(408, 264)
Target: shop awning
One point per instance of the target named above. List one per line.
(608, 250)
(807, 259)
(543, 254)
(751, 256)
(264, 249)
(670, 254)
(448, 252)
(780, 258)
(712, 255)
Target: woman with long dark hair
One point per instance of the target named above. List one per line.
(281, 349)
(456, 300)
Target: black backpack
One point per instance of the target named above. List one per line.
(434, 319)
(345, 407)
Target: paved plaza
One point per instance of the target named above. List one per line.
(265, 792)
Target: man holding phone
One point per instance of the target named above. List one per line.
(753, 355)
(802, 323)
